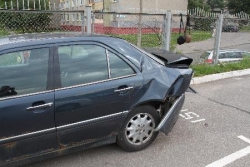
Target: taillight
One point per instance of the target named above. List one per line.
(209, 61)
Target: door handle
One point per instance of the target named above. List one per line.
(124, 89)
(40, 106)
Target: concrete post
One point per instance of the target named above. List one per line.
(168, 30)
(139, 36)
(216, 52)
(88, 17)
(83, 23)
(93, 24)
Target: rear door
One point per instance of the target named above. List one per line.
(26, 103)
(95, 88)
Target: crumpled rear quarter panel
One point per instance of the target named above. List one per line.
(161, 83)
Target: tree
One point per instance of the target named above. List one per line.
(236, 6)
(213, 4)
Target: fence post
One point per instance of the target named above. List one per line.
(139, 36)
(168, 30)
(164, 32)
(88, 16)
(83, 23)
(93, 23)
(218, 39)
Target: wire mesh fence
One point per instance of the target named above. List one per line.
(129, 25)
(19, 22)
(144, 30)
(235, 39)
(235, 35)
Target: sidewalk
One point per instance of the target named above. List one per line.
(228, 40)
(215, 77)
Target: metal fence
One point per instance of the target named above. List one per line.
(129, 26)
(123, 25)
(210, 34)
(19, 22)
(145, 30)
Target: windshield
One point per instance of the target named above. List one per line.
(205, 55)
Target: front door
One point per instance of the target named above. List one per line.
(96, 86)
(26, 104)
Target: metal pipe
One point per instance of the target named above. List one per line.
(218, 39)
(88, 15)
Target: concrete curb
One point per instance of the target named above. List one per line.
(215, 77)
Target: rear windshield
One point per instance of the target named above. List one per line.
(205, 55)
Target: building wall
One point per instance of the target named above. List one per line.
(149, 6)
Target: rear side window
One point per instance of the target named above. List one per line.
(233, 55)
(118, 67)
(223, 56)
(23, 72)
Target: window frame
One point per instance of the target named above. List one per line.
(57, 69)
(109, 68)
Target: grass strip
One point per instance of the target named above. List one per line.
(207, 69)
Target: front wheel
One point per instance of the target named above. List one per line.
(137, 131)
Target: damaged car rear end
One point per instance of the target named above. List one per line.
(84, 92)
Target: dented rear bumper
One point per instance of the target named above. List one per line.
(171, 116)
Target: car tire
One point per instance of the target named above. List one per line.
(137, 131)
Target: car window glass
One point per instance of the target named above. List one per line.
(23, 72)
(234, 55)
(78, 51)
(238, 55)
(82, 64)
(230, 55)
(118, 67)
(222, 56)
(205, 55)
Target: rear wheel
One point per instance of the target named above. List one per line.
(138, 132)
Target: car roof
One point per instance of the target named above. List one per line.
(227, 50)
(24, 40)
(45, 38)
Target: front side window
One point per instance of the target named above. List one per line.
(23, 72)
(81, 64)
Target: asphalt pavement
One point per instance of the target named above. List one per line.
(213, 130)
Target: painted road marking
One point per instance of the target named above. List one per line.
(182, 116)
(184, 110)
(200, 120)
(190, 116)
(232, 157)
(244, 139)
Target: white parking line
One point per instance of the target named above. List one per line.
(182, 116)
(232, 157)
(184, 110)
(244, 139)
(200, 120)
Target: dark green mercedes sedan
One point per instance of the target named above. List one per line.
(62, 93)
